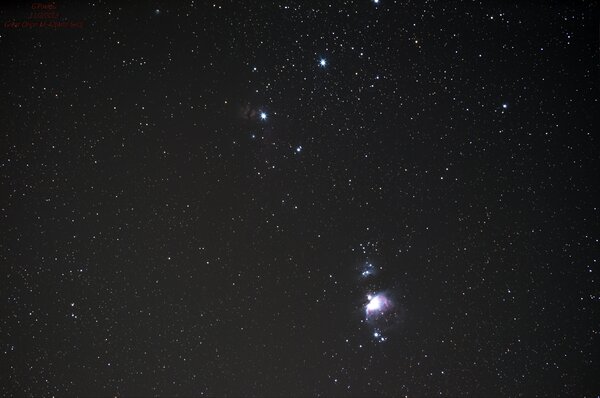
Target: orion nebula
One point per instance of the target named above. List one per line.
(377, 306)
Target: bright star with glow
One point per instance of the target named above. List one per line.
(299, 149)
(378, 336)
(367, 270)
(263, 116)
(322, 62)
(504, 106)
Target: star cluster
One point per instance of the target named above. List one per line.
(291, 198)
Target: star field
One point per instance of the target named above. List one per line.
(352, 198)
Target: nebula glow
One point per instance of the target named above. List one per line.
(377, 304)
(367, 270)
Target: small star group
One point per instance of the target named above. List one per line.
(377, 305)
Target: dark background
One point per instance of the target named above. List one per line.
(158, 238)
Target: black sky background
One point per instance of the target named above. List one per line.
(155, 241)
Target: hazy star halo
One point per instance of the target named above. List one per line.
(367, 270)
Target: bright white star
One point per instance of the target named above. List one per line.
(323, 62)
(263, 116)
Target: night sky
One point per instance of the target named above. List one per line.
(253, 198)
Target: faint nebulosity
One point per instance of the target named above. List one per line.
(299, 198)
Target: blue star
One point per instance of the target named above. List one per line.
(504, 106)
(323, 62)
(263, 116)
(299, 149)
